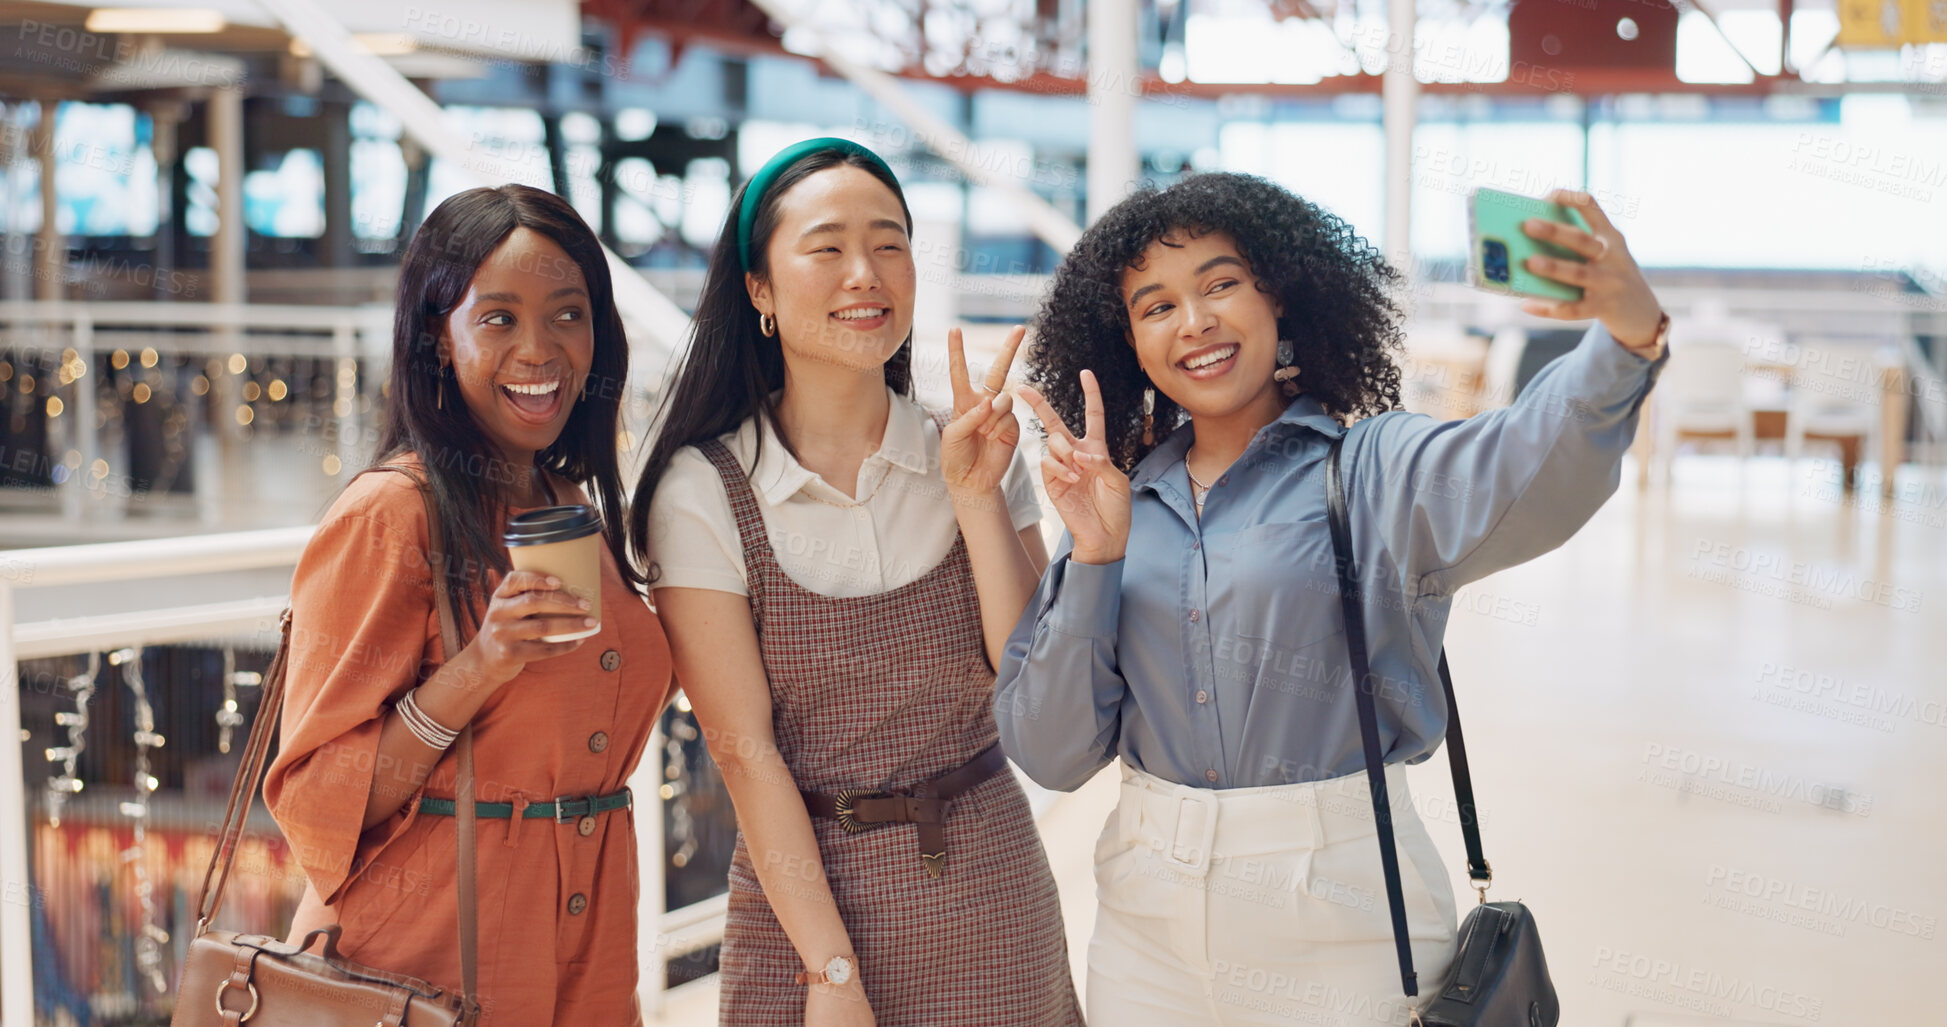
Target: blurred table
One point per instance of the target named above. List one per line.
(1770, 418)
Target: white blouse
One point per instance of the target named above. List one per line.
(825, 540)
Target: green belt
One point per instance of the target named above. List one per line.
(562, 809)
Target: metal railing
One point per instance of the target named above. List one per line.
(664, 934)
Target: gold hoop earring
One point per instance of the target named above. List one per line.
(767, 324)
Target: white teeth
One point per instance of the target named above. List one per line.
(861, 314)
(536, 389)
(1212, 357)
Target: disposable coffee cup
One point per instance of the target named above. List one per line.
(564, 541)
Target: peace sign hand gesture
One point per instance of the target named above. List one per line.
(1089, 492)
(977, 444)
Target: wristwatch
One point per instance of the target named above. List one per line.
(838, 970)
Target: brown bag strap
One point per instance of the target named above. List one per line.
(466, 853)
(250, 775)
(249, 778)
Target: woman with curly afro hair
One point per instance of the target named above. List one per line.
(1217, 343)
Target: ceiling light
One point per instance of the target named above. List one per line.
(378, 44)
(154, 19)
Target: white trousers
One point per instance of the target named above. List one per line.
(1260, 906)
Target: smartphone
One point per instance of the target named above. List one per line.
(1498, 258)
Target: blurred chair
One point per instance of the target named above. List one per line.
(1835, 398)
(1702, 396)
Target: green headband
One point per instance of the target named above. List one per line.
(761, 182)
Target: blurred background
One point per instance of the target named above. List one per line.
(1705, 728)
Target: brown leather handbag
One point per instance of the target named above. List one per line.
(230, 978)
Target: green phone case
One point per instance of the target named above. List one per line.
(1498, 252)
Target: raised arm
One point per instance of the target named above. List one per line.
(1455, 501)
(360, 604)
(1058, 699)
(976, 448)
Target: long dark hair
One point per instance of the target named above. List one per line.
(470, 479)
(731, 368)
(1336, 288)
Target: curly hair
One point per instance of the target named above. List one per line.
(1336, 288)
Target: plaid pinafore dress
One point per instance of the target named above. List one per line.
(880, 692)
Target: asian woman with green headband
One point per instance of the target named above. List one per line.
(838, 570)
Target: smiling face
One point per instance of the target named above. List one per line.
(1204, 333)
(840, 280)
(520, 343)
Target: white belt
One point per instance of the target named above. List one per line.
(1187, 827)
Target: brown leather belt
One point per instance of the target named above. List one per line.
(924, 804)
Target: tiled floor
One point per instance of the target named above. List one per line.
(1703, 733)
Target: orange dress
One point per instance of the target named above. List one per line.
(558, 940)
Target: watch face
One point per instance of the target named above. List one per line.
(839, 970)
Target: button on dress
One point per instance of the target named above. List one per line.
(557, 901)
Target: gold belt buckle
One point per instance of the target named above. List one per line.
(844, 809)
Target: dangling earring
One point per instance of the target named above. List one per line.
(1287, 373)
(1149, 417)
(440, 402)
(767, 324)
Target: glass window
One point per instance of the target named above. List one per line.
(1846, 196)
(1337, 165)
(1452, 159)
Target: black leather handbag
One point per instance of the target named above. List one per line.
(1498, 977)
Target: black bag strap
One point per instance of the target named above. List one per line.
(1350, 597)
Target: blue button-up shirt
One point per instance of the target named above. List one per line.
(1213, 654)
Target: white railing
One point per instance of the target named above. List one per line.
(664, 934)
